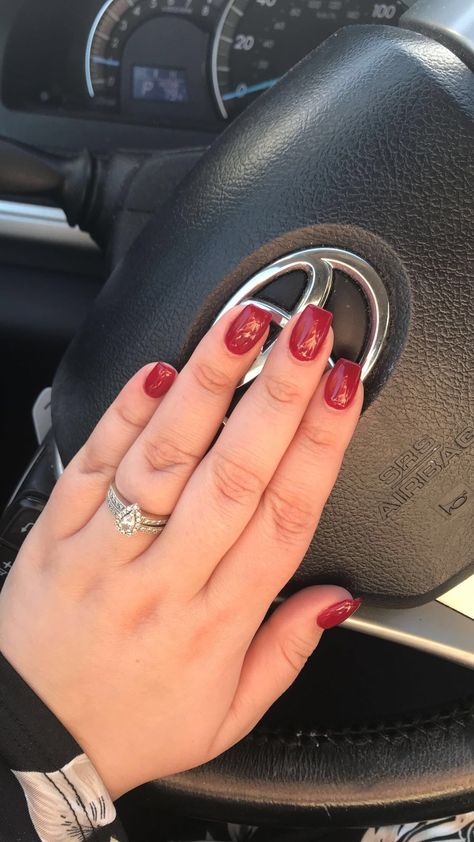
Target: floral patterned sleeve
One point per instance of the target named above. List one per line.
(451, 829)
(49, 789)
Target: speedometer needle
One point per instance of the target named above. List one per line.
(244, 90)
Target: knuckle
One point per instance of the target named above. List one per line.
(319, 441)
(168, 455)
(280, 391)
(291, 517)
(233, 480)
(140, 616)
(127, 417)
(295, 651)
(211, 378)
(92, 464)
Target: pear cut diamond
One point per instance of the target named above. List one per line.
(129, 518)
(128, 521)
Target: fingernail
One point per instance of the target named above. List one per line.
(309, 332)
(337, 613)
(247, 328)
(159, 380)
(342, 383)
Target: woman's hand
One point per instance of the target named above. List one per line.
(150, 649)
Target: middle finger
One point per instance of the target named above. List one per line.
(225, 489)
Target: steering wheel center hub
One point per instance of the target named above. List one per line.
(319, 266)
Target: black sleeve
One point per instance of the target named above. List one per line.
(49, 789)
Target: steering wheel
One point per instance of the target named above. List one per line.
(352, 181)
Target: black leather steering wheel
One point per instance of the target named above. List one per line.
(367, 146)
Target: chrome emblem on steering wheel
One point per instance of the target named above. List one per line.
(319, 265)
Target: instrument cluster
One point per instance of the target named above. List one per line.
(166, 62)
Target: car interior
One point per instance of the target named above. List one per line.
(163, 160)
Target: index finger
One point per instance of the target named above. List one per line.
(275, 541)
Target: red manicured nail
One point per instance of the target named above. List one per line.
(309, 332)
(159, 380)
(342, 383)
(336, 614)
(247, 328)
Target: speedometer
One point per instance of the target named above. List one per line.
(172, 61)
(257, 41)
(149, 58)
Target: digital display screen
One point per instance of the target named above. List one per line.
(160, 84)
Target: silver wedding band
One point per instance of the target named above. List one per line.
(130, 519)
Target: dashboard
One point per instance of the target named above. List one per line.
(186, 64)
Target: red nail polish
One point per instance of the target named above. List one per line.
(159, 380)
(336, 614)
(342, 383)
(247, 329)
(309, 332)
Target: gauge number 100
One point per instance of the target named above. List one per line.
(383, 11)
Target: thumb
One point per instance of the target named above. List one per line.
(279, 652)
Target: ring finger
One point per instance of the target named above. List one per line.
(225, 490)
(81, 488)
(157, 467)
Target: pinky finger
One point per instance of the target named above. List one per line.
(83, 486)
(279, 652)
